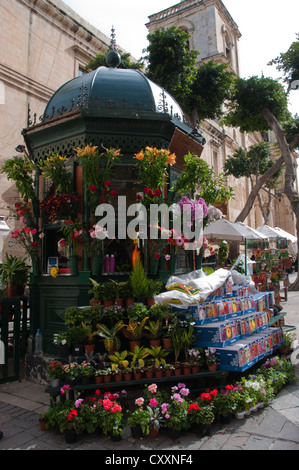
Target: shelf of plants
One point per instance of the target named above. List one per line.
(236, 326)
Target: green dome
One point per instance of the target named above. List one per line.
(112, 89)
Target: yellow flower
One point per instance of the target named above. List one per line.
(54, 272)
(88, 150)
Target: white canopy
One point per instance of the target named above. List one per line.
(287, 235)
(223, 229)
(269, 231)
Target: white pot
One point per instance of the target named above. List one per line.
(240, 415)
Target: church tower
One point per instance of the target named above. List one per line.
(211, 28)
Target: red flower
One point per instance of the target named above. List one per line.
(193, 407)
(101, 200)
(92, 188)
(157, 256)
(107, 183)
(138, 197)
(157, 192)
(113, 193)
(145, 190)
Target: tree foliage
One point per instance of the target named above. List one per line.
(170, 62)
(288, 63)
(100, 61)
(249, 97)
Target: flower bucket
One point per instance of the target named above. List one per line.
(74, 265)
(96, 264)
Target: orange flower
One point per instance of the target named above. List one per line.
(140, 155)
(171, 159)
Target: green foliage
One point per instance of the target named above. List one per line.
(110, 338)
(100, 61)
(197, 173)
(249, 97)
(20, 170)
(171, 63)
(14, 271)
(209, 90)
(138, 280)
(254, 162)
(288, 63)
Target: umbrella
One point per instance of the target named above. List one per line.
(287, 235)
(223, 229)
(269, 231)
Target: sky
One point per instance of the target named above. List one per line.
(268, 27)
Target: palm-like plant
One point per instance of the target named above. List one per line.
(118, 360)
(111, 340)
(154, 328)
(135, 329)
(138, 355)
(158, 355)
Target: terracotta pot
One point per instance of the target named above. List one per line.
(177, 371)
(128, 377)
(155, 342)
(212, 367)
(133, 344)
(137, 375)
(107, 378)
(153, 432)
(149, 374)
(118, 302)
(118, 377)
(158, 373)
(150, 302)
(42, 425)
(195, 369)
(14, 291)
(167, 343)
(129, 302)
(168, 372)
(186, 370)
(95, 302)
(98, 379)
(107, 303)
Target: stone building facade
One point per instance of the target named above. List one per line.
(43, 44)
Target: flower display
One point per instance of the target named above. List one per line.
(28, 236)
(60, 206)
(54, 168)
(152, 166)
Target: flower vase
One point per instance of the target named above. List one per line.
(172, 263)
(35, 267)
(73, 265)
(154, 265)
(96, 264)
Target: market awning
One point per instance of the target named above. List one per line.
(223, 229)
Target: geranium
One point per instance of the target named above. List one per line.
(55, 370)
(61, 206)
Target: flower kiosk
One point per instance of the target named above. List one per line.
(110, 137)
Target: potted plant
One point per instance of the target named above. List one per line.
(111, 340)
(196, 360)
(98, 375)
(89, 338)
(77, 337)
(211, 359)
(155, 330)
(14, 273)
(119, 363)
(187, 338)
(56, 372)
(112, 419)
(97, 292)
(43, 419)
(86, 371)
(158, 354)
(201, 418)
(168, 368)
(177, 346)
(139, 420)
(108, 293)
(107, 374)
(63, 342)
(71, 423)
(139, 281)
(176, 413)
(137, 311)
(139, 354)
(153, 288)
(127, 373)
(225, 403)
(134, 331)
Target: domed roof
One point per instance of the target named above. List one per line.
(108, 88)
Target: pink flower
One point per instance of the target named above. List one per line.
(167, 257)
(152, 388)
(139, 401)
(153, 402)
(107, 404)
